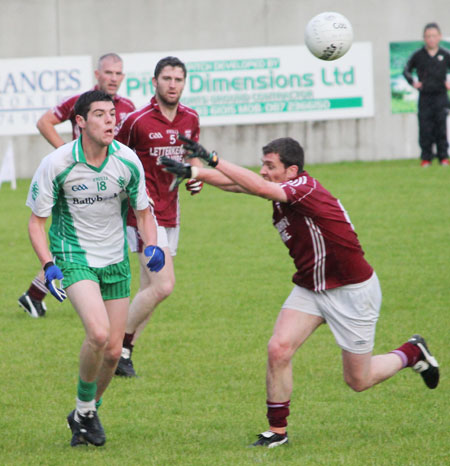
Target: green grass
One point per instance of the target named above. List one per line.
(200, 397)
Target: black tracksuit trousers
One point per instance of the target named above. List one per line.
(433, 109)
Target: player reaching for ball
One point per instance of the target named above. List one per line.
(333, 282)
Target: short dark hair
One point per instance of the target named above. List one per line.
(169, 61)
(289, 150)
(431, 26)
(83, 104)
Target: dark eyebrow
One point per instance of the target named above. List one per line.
(102, 110)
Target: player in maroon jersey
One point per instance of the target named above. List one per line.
(109, 75)
(333, 282)
(152, 132)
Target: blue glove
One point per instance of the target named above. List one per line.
(53, 273)
(157, 259)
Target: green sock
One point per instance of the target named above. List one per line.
(98, 403)
(86, 390)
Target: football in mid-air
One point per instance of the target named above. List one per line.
(329, 35)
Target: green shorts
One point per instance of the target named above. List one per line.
(114, 280)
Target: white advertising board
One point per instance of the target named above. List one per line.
(262, 85)
(30, 86)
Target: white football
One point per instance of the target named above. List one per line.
(329, 35)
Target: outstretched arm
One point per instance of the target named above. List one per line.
(183, 171)
(250, 182)
(243, 179)
(228, 177)
(219, 180)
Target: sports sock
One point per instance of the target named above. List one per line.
(127, 339)
(98, 403)
(37, 290)
(408, 353)
(86, 390)
(277, 412)
(83, 408)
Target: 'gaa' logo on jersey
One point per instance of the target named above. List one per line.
(79, 187)
(155, 135)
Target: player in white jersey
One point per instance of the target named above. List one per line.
(333, 281)
(109, 75)
(85, 186)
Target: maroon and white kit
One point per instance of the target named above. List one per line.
(320, 236)
(65, 111)
(152, 135)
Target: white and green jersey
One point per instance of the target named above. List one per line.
(88, 204)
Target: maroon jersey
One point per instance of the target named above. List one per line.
(65, 111)
(152, 135)
(320, 237)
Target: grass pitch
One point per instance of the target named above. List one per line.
(200, 397)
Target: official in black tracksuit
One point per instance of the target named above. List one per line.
(431, 63)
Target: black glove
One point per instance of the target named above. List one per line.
(180, 171)
(195, 149)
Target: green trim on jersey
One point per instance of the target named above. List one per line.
(113, 147)
(62, 223)
(134, 181)
(79, 157)
(124, 212)
(88, 208)
(132, 192)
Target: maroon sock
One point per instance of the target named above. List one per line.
(37, 290)
(408, 353)
(277, 413)
(127, 339)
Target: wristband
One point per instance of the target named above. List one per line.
(194, 172)
(213, 159)
(47, 265)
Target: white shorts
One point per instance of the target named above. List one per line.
(351, 311)
(167, 238)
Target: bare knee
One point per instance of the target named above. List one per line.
(279, 351)
(165, 289)
(357, 384)
(162, 289)
(112, 354)
(98, 339)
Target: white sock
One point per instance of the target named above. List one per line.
(83, 407)
(126, 353)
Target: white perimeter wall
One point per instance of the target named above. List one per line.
(93, 27)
